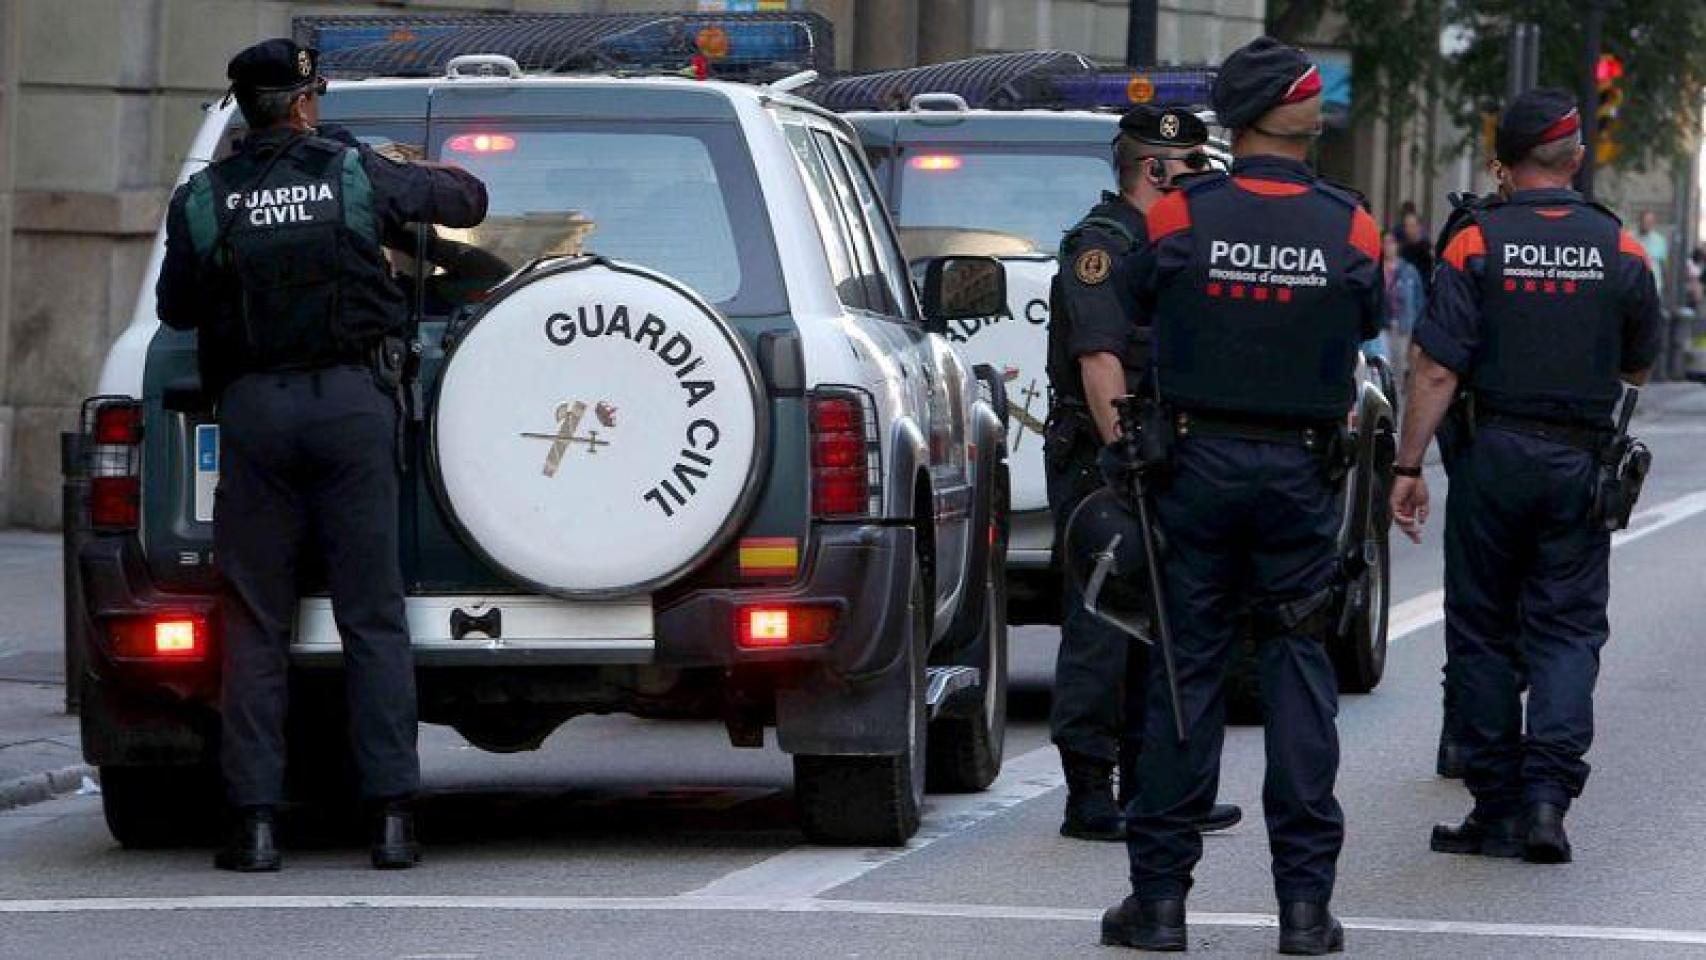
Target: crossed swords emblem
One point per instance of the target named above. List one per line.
(569, 418)
(1022, 413)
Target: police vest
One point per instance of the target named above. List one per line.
(1260, 321)
(1551, 312)
(1064, 375)
(290, 244)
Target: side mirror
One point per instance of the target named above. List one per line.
(961, 288)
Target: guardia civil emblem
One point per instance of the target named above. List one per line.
(569, 417)
(1169, 126)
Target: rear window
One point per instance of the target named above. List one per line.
(1006, 200)
(682, 200)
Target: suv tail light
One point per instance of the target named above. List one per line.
(846, 472)
(113, 428)
(172, 636)
(770, 627)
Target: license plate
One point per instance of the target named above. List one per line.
(206, 470)
(501, 622)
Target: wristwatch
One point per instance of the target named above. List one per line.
(1402, 471)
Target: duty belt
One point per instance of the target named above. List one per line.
(1589, 439)
(1310, 436)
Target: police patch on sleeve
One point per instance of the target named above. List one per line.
(1092, 266)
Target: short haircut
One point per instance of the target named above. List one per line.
(1129, 154)
(1555, 157)
(263, 109)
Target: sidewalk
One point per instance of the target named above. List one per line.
(40, 752)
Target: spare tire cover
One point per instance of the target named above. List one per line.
(596, 430)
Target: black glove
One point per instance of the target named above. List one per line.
(1117, 462)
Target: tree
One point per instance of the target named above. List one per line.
(1394, 45)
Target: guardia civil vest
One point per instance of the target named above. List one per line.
(1063, 371)
(1260, 322)
(288, 241)
(1551, 311)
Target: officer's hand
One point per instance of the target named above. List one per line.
(1116, 463)
(1410, 506)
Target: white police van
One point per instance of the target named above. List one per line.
(684, 445)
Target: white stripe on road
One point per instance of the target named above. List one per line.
(1420, 613)
(693, 903)
(809, 871)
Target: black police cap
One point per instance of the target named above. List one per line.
(1260, 76)
(1537, 117)
(1160, 127)
(274, 66)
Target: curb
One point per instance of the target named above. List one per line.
(39, 787)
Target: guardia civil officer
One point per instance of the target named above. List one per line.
(1261, 286)
(1097, 353)
(1543, 308)
(273, 257)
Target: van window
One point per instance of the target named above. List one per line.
(683, 201)
(1002, 201)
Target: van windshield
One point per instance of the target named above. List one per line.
(1008, 201)
(683, 201)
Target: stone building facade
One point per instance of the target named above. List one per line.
(99, 99)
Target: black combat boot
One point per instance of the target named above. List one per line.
(1157, 925)
(1091, 813)
(1219, 817)
(1309, 930)
(394, 844)
(1500, 837)
(1545, 841)
(253, 847)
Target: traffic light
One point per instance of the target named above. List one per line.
(1608, 76)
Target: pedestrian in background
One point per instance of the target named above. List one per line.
(1405, 301)
(1526, 559)
(1414, 243)
(1657, 245)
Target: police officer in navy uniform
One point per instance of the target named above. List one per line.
(273, 257)
(1543, 308)
(1098, 353)
(1261, 286)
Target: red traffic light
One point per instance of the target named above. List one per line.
(1609, 69)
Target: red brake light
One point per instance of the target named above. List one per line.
(783, 626)
(115, 503)
(118, 423)
(841, 477)
(480, 143)
(936, 162)
(173, 637)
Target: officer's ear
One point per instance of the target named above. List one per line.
(1155, 169)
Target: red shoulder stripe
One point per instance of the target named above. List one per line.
(1170, 215)
(1468, 243)
(1365, 235)
(1270, 188)
(1626, 243)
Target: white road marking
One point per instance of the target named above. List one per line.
(693, 903)
(809, 871)
(1421, 612)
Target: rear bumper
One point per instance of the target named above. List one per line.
(858, 570)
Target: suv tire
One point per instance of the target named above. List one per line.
(967, 742)
(872, 801)
(154, 807)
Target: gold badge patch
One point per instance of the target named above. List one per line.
(1093, 266)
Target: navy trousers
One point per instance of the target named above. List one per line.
(1247, 524)
(1100, 672)
(1526, 584)
(308, 458)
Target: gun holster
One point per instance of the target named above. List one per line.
(389, 358)
(1622, 471)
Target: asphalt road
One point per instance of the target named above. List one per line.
(626, 838)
